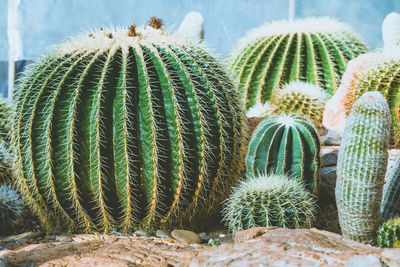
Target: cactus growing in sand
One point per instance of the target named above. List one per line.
(126, 127)
(361, 167)
(315, 50)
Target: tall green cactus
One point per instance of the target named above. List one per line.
(273, 200)
(126, 127)
(390, 206)
(286, 144)
(315, 50)
(361, 167)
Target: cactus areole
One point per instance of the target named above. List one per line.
(126, 127)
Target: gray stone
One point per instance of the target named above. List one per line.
(163, 234)
(329, 155)
(141, 233)
(63, 238)
(186, 236)
(328, 183)
(331, 139)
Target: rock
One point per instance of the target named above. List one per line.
(328, 219)
(163, 234)
(327, 183)
(63, 238)
(391, 30)
(21, 237)
(329, 155)
(338, 107)
(249, 234)
(204, 236)
(192, 27)
(331, 138)
(141, 233)
(186, 236)
(295, 247)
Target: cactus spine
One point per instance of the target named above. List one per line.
(315, 50)
(11, 209)
(286, 144)
(361, 167)
(389, 234)
(301, 98)
(273, 200)
(391, 192)
(126, 127)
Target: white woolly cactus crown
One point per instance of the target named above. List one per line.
(309, 90)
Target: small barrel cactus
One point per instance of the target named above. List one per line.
(5, 120)
(273, 200)
(303, 99)
(6, 172)
(361, 167)
(286, 144)
(389, 234)
(390, 206)
(126, 127)
(315, 50)
(11, 209)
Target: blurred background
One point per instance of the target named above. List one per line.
(31, 26)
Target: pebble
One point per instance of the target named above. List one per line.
(329, 156)
(63, 238)
(163, 234)
(331, 138)
(186, 236)
(204, 236)
(141, 233)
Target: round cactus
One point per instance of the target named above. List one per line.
(315, 50)
(361, 168)
(286, 144)
(390, 206)
(5, 120)
(126, 127)
(6, 172)
(389, 234)
(274, 200)
(11, 209)
(301, 98)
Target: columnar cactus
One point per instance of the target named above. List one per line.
(275, 200)
(389, 234)
(126, 127)
(301, 98)
(286, 144)
(11, 209)
(390, 206)
(315, 50)
(361, 167)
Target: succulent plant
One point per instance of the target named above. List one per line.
(301, 98)
(315, 50)
(5, 120)
(272, 200)
(383, 76)
(11, 209)
(286, 144)
(390, 206)
(361, 167)
(126, 127)
(6, 172)
(389, 234)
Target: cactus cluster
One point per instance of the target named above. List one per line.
(361, 167)
(301, 98)
(269, 200)
(315, 50)
(11, 209)
(389, 234)
(286, 144)
(126, 127)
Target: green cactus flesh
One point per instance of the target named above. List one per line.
(5, 120)
(11, 209)
(315, 50)
(286, 144)
(391, 192)
(124, 128)
(275, 200)
(361, 168)
(389, 234)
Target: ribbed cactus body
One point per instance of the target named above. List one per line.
(390, 206)
(389, 234)
(304, 99)
(287, 144)
(361, 167)
(5, 120)
(124, 127)
(275, 200)
(11, 209)
(315, 50)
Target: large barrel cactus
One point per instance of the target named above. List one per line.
(286, 144)
(361, 167)
(126, 127)
(315, 50)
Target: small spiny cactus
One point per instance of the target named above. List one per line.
(361, 167)
(389, 234)
(286, 144)
(11, 209)
(272, 200)
(303, 99)
(315, 50)
(390, 206)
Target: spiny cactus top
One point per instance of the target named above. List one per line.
(389, 234)
(126, 127)
(286, 144)
(304, 99)
(361, 167)
(312, 49)
(273, 200)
